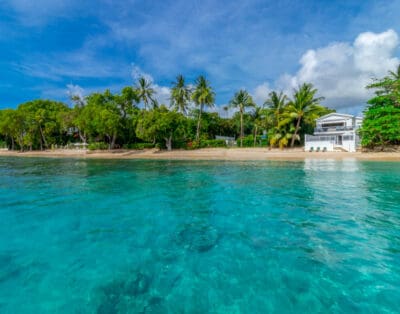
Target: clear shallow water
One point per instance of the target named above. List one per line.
(89, 236)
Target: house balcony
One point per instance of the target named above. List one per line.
(333, 129)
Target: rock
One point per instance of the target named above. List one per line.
(122, 291)
(197, 236)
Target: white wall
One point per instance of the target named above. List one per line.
(320, 144)
(349, 146)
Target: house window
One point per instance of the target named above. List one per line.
(332, 124)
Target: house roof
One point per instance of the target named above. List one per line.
(339, 115)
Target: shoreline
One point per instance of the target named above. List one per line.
(239, 154)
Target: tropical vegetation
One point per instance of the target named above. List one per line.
(381, 124)
(241, 101)
(132, 118)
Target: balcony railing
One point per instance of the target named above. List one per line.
(334, 139)
(316, 138)
(333, 129)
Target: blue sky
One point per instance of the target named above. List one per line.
(52, 48)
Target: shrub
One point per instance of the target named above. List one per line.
(248, 141)
(206, 144)
(98, 145)
(138, 146)
(179, 144)
(283, 143)
(214, 143)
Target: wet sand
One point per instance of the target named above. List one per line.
(207, 154)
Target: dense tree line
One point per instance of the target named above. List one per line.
(133, 118)
(381, 124)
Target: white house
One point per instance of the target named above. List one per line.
(334, 132)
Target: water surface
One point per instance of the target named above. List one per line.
(92, 236)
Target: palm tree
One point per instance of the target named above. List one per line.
(241, 101)
(258, 118)
(226, 109)
(388, 85)
(180, 95)
(395, 85)
(203, 95)
(146, 92)
(301, 107)
(276, 104)
(395, 74)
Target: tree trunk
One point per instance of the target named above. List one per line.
(82, 137)
(21, 142)
(168, 142)
(114, 137)
(255, 135)
(198, 124)
(241, 129)
(12, 143)
(109, 141)
(42, 139)
(295, 132)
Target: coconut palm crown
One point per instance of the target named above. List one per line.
(304, 104)
(146, 92)
(180, 95)
(241, 101)
(203, 95)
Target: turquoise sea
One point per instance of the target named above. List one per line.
(104, 236)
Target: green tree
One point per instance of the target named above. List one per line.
(9, 126)
(389, 86)
(180, 95)
(259, 119)
(101, 117)
(275, 104)
(43, 122)
(241, 101)
(303, 106)
(162, 125)
(203, 95)
(146, 93)
(127, 102)
(381, 123)
(211, 124)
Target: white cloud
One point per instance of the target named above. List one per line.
(75, 90)
(163, 93)
(50, 90)
(76, 64)
(260, 93)
(373, 52)
(341, 71)
(137, 73)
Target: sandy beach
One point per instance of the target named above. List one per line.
(207, 154)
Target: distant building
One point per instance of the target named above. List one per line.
(334, 132)
(230, 141)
